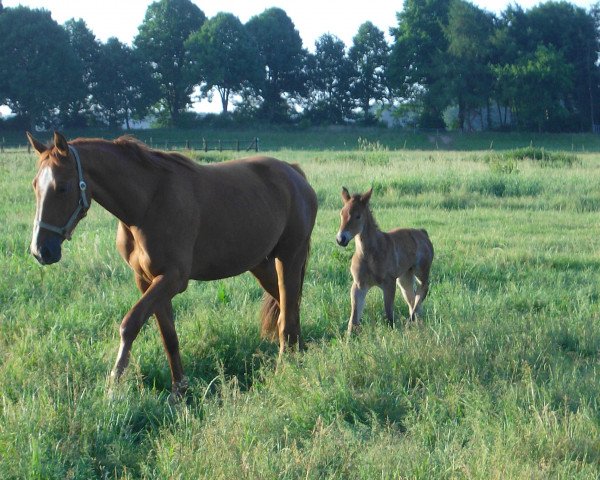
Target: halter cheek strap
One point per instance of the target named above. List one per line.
(82, 206)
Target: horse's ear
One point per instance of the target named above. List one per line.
(365, 197)
(61, 144)
(345, 195)
(38, 146)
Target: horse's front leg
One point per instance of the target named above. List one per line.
(159, 292)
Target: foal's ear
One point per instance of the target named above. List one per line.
(345, 195)
(38, 146)
(61, 144)
(365, 197)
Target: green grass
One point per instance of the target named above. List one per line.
(499, 381)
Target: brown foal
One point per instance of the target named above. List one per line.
(401, 256)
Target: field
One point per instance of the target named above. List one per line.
(500, 380)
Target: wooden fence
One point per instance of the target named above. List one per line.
(203, 144)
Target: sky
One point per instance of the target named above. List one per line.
(312, 18)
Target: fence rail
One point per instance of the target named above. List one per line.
(203, 144)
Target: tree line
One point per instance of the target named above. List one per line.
(450, 64)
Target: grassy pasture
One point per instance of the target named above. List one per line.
(501, 380)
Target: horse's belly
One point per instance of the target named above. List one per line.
(228, 256)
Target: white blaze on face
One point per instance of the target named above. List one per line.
(44, 180)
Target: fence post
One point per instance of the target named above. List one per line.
(151, 143)
(187, 144)
(220, 146)
(204, 145)
(2, 146)
(256, 144)
(237, 145)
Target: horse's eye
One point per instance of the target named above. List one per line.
(358, 217)
(62, 189)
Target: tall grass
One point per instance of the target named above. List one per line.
(499, 381)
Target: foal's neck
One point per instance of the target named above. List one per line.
(367, 240)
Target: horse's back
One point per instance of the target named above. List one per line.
(246, 207)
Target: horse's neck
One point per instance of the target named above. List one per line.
(122, 186)
(367, 241)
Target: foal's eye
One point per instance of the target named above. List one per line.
(357, 217)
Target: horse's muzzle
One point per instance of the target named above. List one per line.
(343, 239)
(49, 252)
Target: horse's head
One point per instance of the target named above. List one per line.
(61, 198)
(353, 215)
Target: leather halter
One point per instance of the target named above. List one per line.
(82, 206)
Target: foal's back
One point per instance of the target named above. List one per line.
(412, 247)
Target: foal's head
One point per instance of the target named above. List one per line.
(59, 195)
(353, 215)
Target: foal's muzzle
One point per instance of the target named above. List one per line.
(49, 252)
(343, 239)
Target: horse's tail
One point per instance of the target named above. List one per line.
(269, 312)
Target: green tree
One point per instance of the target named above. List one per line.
(418, 62)
(534, 87)
(469, 34)
(161, 42)
(280, 47)
(329, 74)
(87, 48)
(564, 30)
(369, 56)
(39, 71)
(122, 85)
(224, 56)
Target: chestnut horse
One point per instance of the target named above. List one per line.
(179, 220)
(401, 256)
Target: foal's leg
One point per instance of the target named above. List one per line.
(406, 283)
(389, 292)
(159, 291)
(357, 299)
(422, 289)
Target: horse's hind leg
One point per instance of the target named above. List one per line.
(290, 274)
(266, 275)
(406, 283)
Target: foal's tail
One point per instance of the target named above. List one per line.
(269, 312)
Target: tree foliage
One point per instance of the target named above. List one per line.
(329, 72)
(283, 60)
(369, 57)
(224, 56)
(39, 69)
(161, 41)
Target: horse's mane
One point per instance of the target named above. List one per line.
(157, 158)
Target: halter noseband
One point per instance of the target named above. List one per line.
(82, 205)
